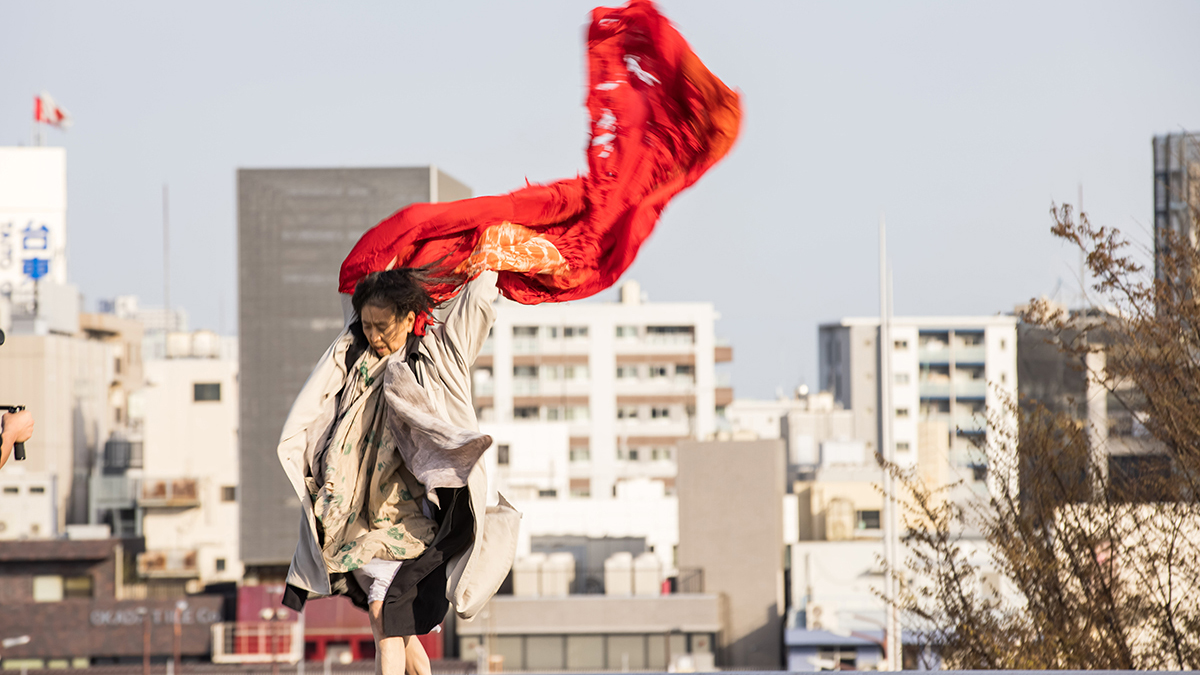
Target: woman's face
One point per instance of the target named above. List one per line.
(386, 333)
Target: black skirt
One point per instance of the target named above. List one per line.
(416, 600)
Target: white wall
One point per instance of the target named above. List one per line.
(27, 504)
(33, 196)
(194, 439)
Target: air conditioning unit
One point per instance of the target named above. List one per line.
(820, 616)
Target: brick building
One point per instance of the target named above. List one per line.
(70, 598)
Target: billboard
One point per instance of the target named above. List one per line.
(33, 219)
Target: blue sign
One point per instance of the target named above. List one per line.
(36, 239)
(36, 268)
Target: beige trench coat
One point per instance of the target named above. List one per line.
(447, 351)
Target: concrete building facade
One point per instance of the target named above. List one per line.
(630, 379)
(295, 226)
(731, 497)
(188, 492)
(1176, 191)
(949, 374)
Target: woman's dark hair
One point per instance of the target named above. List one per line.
(402, 290)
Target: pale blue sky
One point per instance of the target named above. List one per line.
(962, 121)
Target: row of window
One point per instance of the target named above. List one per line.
(580, 372)
(582, 413)
(16, 489)
(577, 455)
(622, 332)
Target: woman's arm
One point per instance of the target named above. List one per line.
(471, 315)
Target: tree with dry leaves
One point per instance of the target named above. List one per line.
(1091, 530)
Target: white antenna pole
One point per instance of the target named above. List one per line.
(167, 263)
(887, 451)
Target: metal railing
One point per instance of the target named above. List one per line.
(258, 642)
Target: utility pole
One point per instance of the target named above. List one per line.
(887, 451)
(180, 606)
(145, 615)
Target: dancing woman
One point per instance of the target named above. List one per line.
(381, 445)
(385, 439)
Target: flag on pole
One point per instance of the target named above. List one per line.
(46, 111)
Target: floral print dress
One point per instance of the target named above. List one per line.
(368, 504)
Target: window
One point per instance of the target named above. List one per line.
(581, 455)
(581, 487)
(632, 455)
(229, 493)
(659, 371)
(627, 331)
(502, 454)
(575, 372)
(525, 412)
(660, 413)
(627, 372)
(525, 371)
(544, 494)
(47, 588)
(902, 446)
(979, 472)
(970, 339)
(902, 378)
(12, 490)
(902, 413)
(1003, 344)
(525, 331)
(685, 370)
(575, 332)
(77, 587)
(901, 345)
(628, 412)
(868, 520)
(37, 489)
(220, 564)
(206, 391)
(657, 454)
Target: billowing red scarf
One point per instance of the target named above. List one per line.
(660, 119)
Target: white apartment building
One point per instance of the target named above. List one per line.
(628, 379)
(948, 374)
(188, 492)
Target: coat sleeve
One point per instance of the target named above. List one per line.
(470, 317)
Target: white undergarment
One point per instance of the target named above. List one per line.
(376, 576)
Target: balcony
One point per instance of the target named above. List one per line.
(957, 389)
(169, 493)
(938, 354)
(169, 564)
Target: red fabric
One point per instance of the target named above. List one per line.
(660, 119)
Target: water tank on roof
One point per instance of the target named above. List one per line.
(526, 575)
(647, 575)
(839, 520)
(618, 574)
(558, 573)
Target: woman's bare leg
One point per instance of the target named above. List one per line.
(416, 661)
(389, 651)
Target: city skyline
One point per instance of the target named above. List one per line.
(964, 137)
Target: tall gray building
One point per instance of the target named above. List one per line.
(1176, 190)
(295, 226)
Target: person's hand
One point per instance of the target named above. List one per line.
(18, 427)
